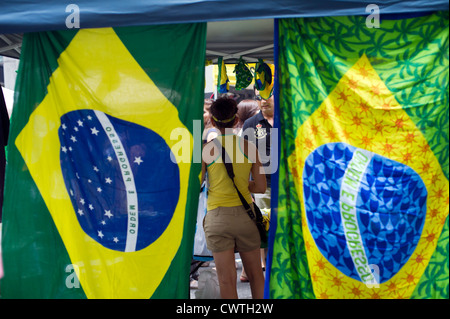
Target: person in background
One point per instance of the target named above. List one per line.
(257, 130)
(228, 227)
(246, 109)
(4, 133)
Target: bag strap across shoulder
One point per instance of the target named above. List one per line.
(229, 167)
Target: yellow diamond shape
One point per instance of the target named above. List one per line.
(361, 111)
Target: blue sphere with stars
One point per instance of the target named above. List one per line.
(123, 186)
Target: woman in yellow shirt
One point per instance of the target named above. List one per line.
(228, 227)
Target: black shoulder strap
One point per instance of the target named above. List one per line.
(229, 167)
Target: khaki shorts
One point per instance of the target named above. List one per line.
(230, 228)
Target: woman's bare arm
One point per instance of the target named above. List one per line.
(259, 183)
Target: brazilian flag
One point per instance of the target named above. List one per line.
(364, 166)
(223, 83)
(99, 200)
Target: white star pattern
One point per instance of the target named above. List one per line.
(108, 213)
(94, 131)
(75, 134)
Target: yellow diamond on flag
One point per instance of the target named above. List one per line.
(110, 83)
(381, 255)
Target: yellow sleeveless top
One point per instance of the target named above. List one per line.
(221, 191)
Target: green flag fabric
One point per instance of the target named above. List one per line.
(99, 180)
(363, 181)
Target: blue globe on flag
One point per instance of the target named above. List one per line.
(123, 186)
(365, 211)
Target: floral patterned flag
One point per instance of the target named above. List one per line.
(363, 190)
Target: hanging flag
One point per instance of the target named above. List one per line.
(264, 74)
(102, 188)
(363, 211)
(223, 84)
(243, 75)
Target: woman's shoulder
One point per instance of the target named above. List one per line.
(210, 152)
(210, 134)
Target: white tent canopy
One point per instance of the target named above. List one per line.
(252, 39)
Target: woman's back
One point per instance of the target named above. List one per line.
(221, 189)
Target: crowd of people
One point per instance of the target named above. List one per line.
(243, 131)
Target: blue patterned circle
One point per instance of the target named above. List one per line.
(98, 164)
(390, 209)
